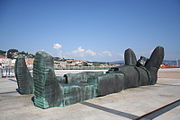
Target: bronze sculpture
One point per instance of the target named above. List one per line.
(53, 91)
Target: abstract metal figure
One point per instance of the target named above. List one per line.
(23, 77)
(53, 91)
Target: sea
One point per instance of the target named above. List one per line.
(172, 63)
(166, 62)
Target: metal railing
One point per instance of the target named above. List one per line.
(7, 72)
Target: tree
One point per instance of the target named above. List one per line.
(30, 56)
(23, 53)
(11, 53)
(85, 64)
(2, 52)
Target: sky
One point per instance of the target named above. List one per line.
(93, 30)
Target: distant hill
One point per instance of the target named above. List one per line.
(117, 62)
(167, 62)
(172, 62)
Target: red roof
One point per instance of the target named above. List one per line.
(2, 57)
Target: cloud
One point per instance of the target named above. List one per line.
(107, 53)
(57, 46)
(82, 52)
(121, 55)
(90, 52)
(79, 51)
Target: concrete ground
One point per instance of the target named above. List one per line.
(125, 105)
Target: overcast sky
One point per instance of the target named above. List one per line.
(95, 30)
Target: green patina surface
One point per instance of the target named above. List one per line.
(55, 91)
(58, 91)
(52, 91)
(24, 79)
